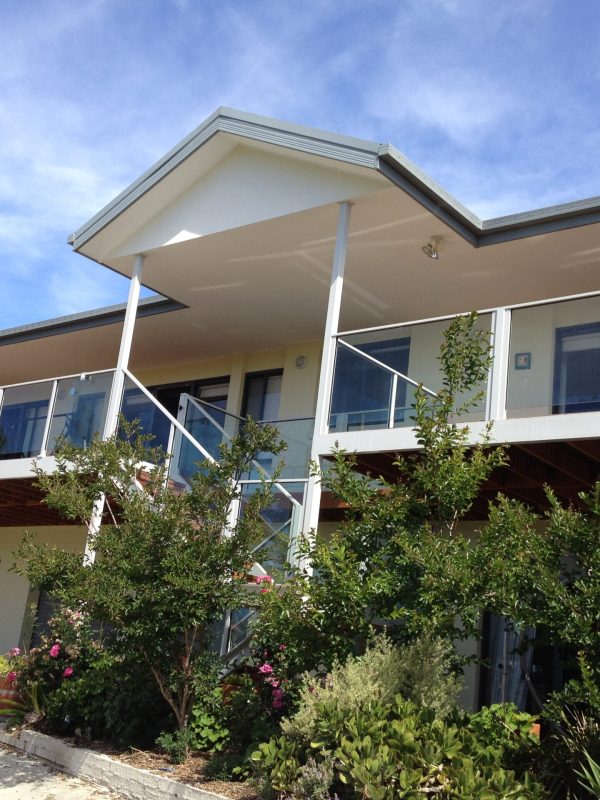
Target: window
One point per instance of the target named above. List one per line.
(577, 369)
(262, 394)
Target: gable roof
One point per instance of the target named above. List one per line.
(383, 159)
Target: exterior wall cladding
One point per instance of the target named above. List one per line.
(305, 278)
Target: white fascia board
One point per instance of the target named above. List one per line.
(551, 428)
(11, 468)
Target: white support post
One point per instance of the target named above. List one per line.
(313, 492)
(497, 383)
(51, 404)
(116, 393)
(114, 404)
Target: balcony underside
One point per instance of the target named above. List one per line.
(568, 467)
(21, 505)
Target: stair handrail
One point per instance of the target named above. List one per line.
(173, 420)
(198, 404)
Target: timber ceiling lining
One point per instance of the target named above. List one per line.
(21, 505)
(568, 467)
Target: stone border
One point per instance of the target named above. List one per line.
(131, 782)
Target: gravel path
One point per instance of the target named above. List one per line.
(24, 777)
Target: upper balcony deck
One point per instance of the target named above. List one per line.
(544, 384)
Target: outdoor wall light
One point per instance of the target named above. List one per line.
(432, 249)
(301, 362)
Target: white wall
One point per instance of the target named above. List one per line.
(14, 589)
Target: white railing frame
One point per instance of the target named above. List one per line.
(51, 400)
(197, 404)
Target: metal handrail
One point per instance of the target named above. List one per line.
(222, 430)
(169, 416)
(480, 312)
(56, 378)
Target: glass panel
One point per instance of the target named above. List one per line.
(281, 520)
(554, 359)
(137, 406)
(361, 393)
(297, 434)
(239, 627)
(80, 409)
(362, 390)
(23, 419)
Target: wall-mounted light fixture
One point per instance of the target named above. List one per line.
(301, 362)
(432, 249)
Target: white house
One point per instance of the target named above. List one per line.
(304, 277)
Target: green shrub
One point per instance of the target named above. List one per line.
(419, 672)
(175, 744)
(390, 751)
(314, 780)
(206, 728)
(504, 727)
(4, 666)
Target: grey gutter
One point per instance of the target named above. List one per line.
(384, 158)
(96, 318)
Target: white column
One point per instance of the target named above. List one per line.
(496, 399)
(313, 491)
(114, 404)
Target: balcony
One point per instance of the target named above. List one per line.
(544, 383)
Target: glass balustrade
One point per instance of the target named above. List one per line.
(375, 376)
(281, 521)
(79, 411)
(554, 359)
(23, 419)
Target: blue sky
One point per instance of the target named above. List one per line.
(499, 101)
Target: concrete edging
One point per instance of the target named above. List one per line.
(131, 782)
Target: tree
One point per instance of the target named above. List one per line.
(398, 558)
(166, 560)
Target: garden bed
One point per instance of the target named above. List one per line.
(128, 772)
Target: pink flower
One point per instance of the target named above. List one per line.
(277, 702)
(55, 650)
(264, 591)
(11, 676)
(266, 669)
(283, 646)
(264, 579)
(14, 651)
(278, 693)
(68, 671)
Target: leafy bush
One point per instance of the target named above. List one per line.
(175, 744)
(78, 687)
(393, 751)
(4, 666)
(419, 672)
(504, 727)
(206, 728)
